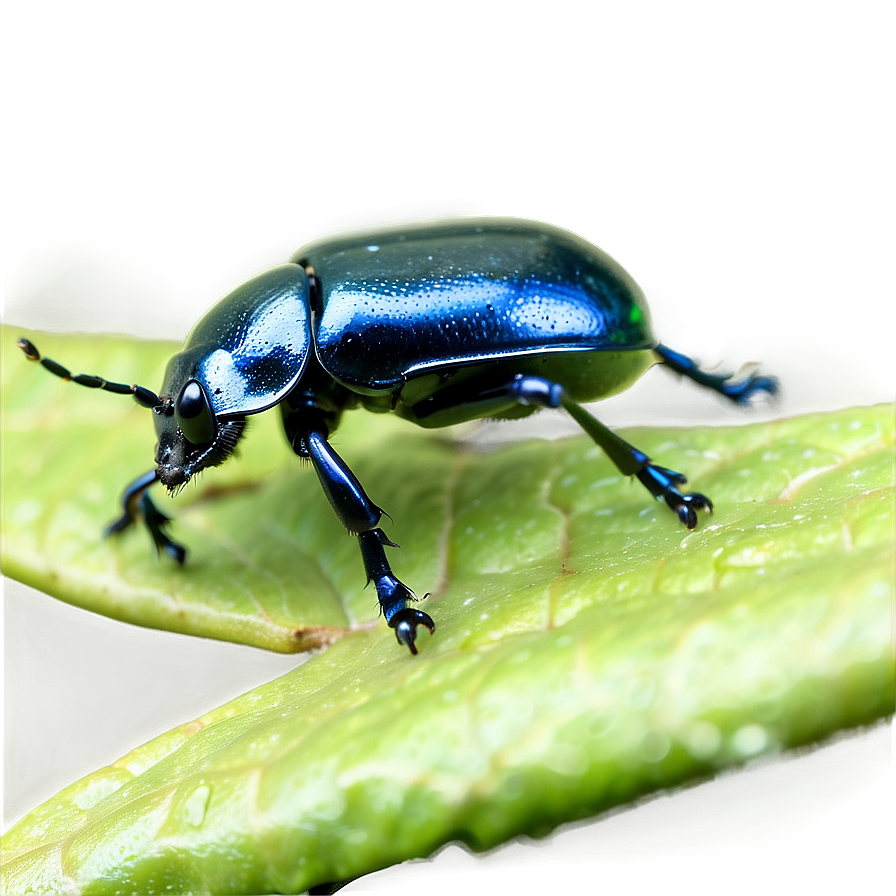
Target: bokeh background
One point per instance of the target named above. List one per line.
(736, 159)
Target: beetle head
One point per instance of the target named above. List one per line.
(241, 358)
(191, 437)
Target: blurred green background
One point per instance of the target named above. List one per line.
(736, 157)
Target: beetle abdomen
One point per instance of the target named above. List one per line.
(399, 303)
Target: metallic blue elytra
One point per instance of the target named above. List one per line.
(453, 293)
(438, 322)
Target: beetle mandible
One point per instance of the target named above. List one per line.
(441, 322)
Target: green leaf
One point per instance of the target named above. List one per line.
(588, 649)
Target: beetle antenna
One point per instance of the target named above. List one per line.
(142, 395)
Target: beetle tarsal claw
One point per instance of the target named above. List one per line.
(687, 505)
(662, 483)
(405, 623)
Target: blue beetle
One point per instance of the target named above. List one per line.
(440, 322)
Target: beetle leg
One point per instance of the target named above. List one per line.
(539, 392)
(361, 517)
(739, 389)
(659, 481)
(392, 594)
(137, 505)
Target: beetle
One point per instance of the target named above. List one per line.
(440, 322)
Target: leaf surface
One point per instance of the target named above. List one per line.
(588, 649)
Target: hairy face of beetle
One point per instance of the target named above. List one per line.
(178, 459)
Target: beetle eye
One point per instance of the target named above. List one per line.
(194, 414)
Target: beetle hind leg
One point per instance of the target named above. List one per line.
(739, 389)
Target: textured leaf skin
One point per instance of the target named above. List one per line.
(68, 453)
(588, 649)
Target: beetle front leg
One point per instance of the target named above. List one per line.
(361, 517)
(137, 505)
